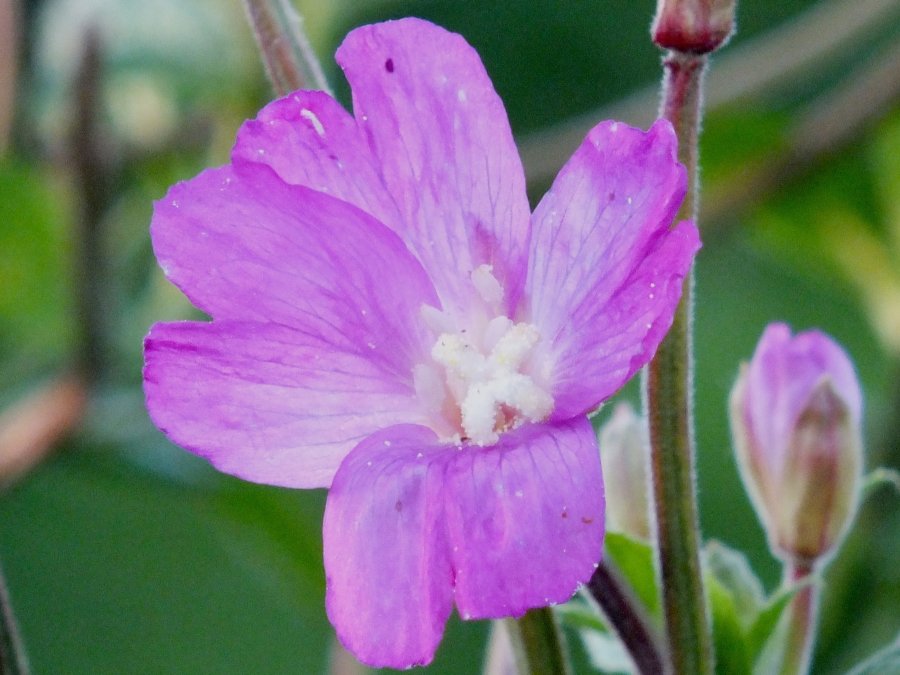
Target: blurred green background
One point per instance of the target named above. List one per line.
(124, 554)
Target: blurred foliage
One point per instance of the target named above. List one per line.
(125, 554)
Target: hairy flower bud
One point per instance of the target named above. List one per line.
(795, 418)
(698, 26)
(623, 452)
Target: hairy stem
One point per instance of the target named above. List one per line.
(626, 617)
(538, 643)
(290, 61)
(802, 617)
(667, 390)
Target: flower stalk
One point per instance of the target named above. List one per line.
(668, 400)
(290, 61)
(802, 618)
(629, 622)
(688, 29)
(537, 643)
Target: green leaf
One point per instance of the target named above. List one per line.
(581, 615)
(634, 560)
(766, 622)
(731, 569)
(606, 652)
(729, 639)
(883, 662)
(878, 477)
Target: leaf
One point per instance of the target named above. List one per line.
(883, 662)
(767, 621)
(606, 653)
(634, 560)
(731, 569)
(581, 615)
(878, 477)
(732, 655)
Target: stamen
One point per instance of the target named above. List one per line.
(492, 394)
(489, 289)
(476, 388)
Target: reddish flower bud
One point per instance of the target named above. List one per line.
(795, 418)
(698, 26)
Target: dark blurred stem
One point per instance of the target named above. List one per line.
(538, 644)
(13, 660)
(290, 61)
(93, 181)
(9, 45)
(829, 125)
(667, 388)
(626, 617)
(802, 617)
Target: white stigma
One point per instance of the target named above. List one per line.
(483, 369)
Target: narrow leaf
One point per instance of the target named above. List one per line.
(731, 569)
(767, 621)
(13, 660)
(729, 639)
(634, 560)
(883, 662)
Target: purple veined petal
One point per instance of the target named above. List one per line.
(389, 579)
(782, 376)
(265, 402)
(605, 271)
(525, 518)
(442, 138)
(834, 362)
(309, 139)
(245, 246)
(611, 343)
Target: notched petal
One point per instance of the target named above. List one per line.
(389, 579)
(525, 518)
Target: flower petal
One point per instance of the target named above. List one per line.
(782, 377)
(605, 271)
(268, 403)
(310, 140)
(243, 245)
(442, 137)
(525, 518)
(388, 574)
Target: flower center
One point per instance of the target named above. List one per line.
(478, 379)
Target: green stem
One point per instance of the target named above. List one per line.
(667, 390)
(802, 618)
(290, 61)
(537, 643)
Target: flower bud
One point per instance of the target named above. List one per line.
(698, 26)
(795, 418)
(623, 452)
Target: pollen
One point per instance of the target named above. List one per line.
(484, 368)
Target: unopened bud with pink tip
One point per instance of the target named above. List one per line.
(697, 26)
(624, 455)
(795, 417)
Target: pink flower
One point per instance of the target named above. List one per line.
(390, 321)
(796, 412)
